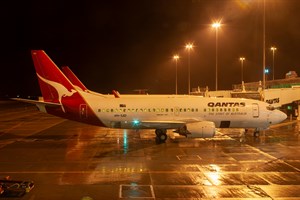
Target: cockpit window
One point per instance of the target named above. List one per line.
(270, 107)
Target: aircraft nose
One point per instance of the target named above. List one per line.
(278, 116)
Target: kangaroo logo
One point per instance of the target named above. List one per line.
(61, 90)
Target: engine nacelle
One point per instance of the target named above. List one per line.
(203, 129)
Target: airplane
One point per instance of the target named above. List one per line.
(190, 116)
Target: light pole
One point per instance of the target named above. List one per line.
(176, 57)
(216, 26)
(242, 59)
(189, 47)
(273, 49)
(264, 44)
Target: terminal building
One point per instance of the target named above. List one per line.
(281, 93)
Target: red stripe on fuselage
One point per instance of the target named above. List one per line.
(76, 109)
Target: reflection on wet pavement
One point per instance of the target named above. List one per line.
(85, 162)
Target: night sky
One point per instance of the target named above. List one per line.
(129, 44)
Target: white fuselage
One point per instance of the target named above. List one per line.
(224, 112)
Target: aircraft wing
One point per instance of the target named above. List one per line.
(166, 124)
(161, 124)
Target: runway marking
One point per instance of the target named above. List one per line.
(188, 157)
(135, 187)
(13, 127)
(274, 159)
(23, 137)
(50, 126)
(284, 124)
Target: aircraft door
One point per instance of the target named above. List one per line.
(255, 110)
(176, 111)
(83, 111)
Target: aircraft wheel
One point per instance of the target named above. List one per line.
(157, 141)
(256, 134)
(161, 135)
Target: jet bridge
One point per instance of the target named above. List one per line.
(285, 98)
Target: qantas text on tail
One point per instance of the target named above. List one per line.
(191, 116)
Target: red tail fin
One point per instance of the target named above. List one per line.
(73, 78)
(53, 83)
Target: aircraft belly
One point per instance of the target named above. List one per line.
(248, 124)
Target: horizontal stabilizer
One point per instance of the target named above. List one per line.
(36, 102)
(41, 105)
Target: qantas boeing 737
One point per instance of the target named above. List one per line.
(191, 116)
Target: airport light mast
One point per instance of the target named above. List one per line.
(273, 49)
(189, 47)
(216, 26)
(242, 59)
(176, 57)
(264, 44)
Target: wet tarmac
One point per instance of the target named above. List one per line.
(69, 160)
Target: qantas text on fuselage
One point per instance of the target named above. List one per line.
(226, 104)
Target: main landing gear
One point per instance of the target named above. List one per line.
(161, 135)
(256, 133)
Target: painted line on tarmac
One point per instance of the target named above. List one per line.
(284, 124)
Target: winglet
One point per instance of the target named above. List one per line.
(116, 94)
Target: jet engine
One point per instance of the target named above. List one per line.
(204, 129)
